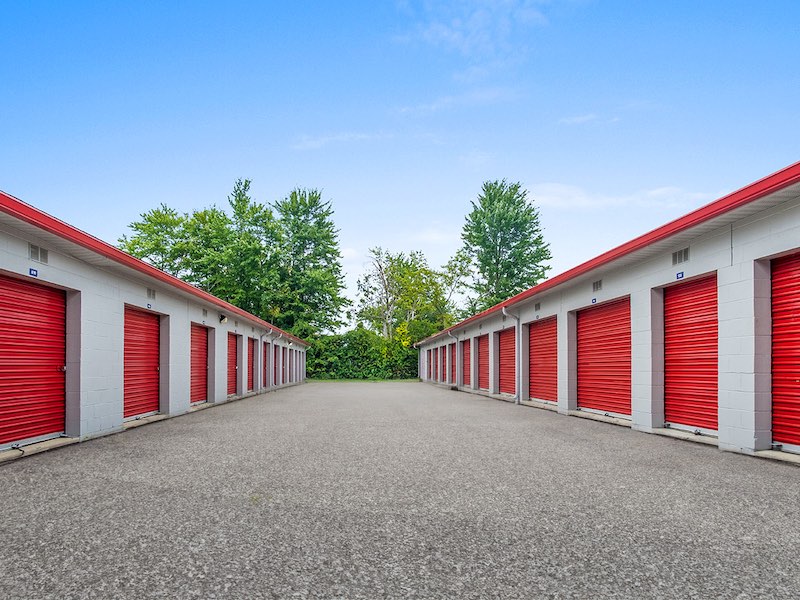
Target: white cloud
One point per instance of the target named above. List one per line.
(477, 28)
(578, 120)
(307, 142)
(570, 197)
(478, 97)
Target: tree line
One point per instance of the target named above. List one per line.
(282, 262)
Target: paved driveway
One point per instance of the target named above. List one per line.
(392, 490)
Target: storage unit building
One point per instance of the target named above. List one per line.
(92, 338)
(690, 326)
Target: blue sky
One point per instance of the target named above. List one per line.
(616, 116)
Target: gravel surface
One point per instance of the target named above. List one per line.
(395, 490)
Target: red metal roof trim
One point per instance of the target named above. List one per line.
(25, 212)
(750, 193)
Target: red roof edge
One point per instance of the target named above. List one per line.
(25, 212)
(750, 193)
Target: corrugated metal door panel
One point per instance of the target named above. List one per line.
(508, 361)
(199, 364)
(233, 365)
(284, 377)
(32, 358)
(786, 350)
(141, 362)
(442, 363)
(604, 357)
(543, 359)
(275, 358)
(251, 364)
(430, 366)
(483, 362)
(435, 364)
(452, 363)
(465, 362)
(265, 380)
(690, 353)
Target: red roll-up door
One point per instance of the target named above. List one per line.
(443, 363)
(786, 350)
(32, 360)
(452, 363)
(233, 364)
(199, 364)
(430, 365)
(265, 380)
(292, 361)
(604, 357)
(543, 359)
(284, 377)
(435, 364)
(141, 362)
(690, 353)
(275, 373)
(251, 364)
(465, 362)
(508, 360)
(483, 362)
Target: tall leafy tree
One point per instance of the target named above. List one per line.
(252, 255)
(503, 238)
(156, 239)
(233, 256)
(310, 284)
(401, 297)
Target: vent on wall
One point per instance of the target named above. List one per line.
(681, 256)
(597, 285)
(537, 306)
(36, 253)
(151, 294)
(205, 312)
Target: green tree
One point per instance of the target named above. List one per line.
(252, 255)
(504, 241)
(310, 283)
(156, 239)
(401, 297)
(204, 247)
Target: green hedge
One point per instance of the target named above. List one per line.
(360, 354)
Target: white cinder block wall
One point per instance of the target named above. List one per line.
(738, 249)
(97, 291)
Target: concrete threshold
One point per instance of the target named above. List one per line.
(36, 448)
(540, 404)
(687, 436)
(134, 423)
(787, 457)
(602, 418)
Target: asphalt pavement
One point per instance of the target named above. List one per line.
(395, 490)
